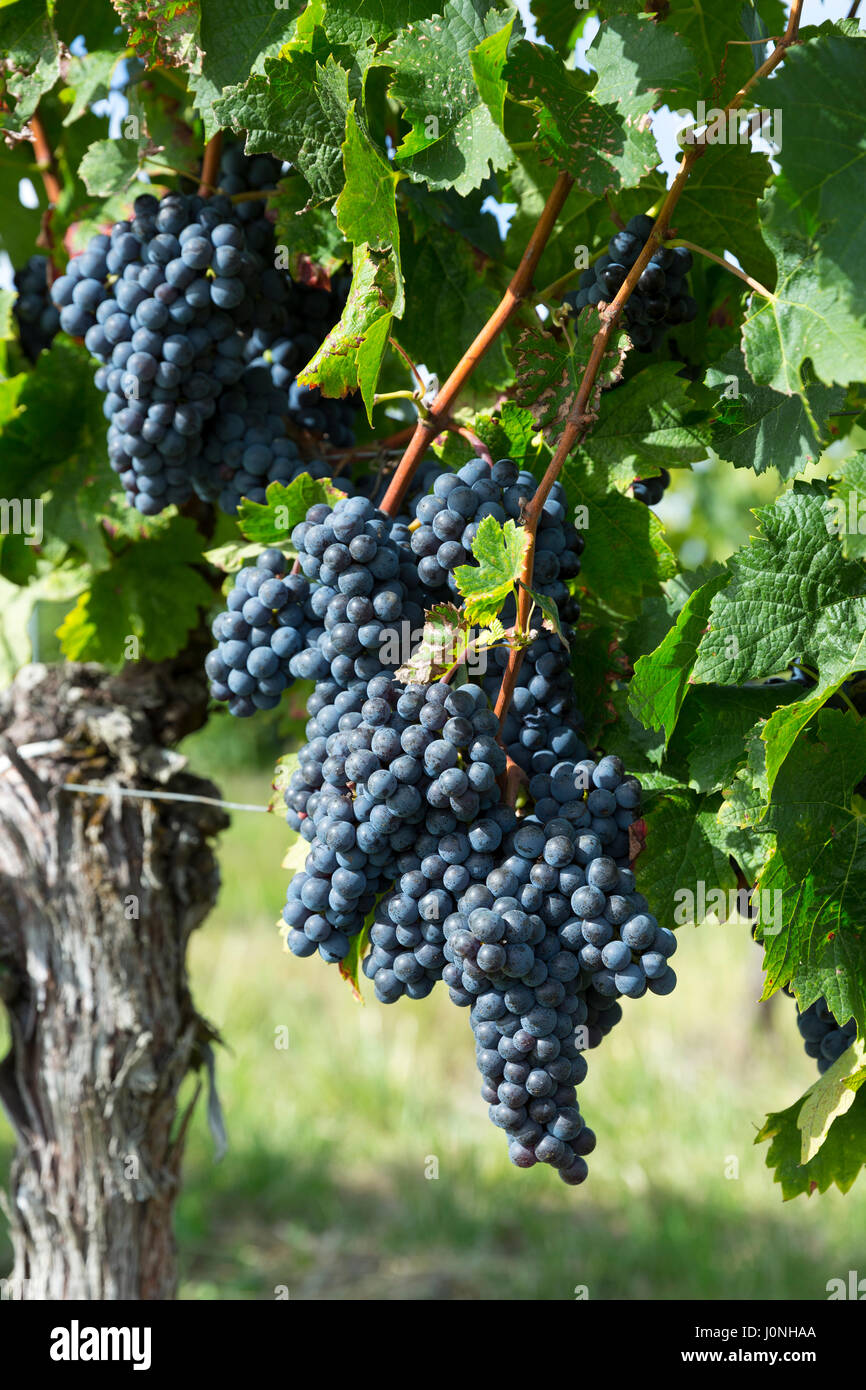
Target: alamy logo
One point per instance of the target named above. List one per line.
(713, 126)
(22, 518)
(77, 1343)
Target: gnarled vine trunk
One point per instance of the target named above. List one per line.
(98, 897)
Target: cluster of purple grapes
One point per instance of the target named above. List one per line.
(37, 318)
(660, 300)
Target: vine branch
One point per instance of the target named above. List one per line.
(440, 411)
(44, 159)
(720, 260)
(210, 165)
(580, 418)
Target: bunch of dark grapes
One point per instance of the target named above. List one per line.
(163, 303)
(263, 626)
(541, 952)
(533, 919)
(660, 299)
(543, 723)
(246, 446)
(452, 512)
(823, 1037)
(37, 318)
(650, 491)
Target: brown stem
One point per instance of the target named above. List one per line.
(409, 363)
(210, 165)
(511, 781)
(427, 430)
(44, 159)
(579, 417)
(720, 260)
(471, 437)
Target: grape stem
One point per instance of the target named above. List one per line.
(479, 447)
(44, 159)
(440, 411)
(409, 363)
(580, 417)
(210, 165)
(720, 260)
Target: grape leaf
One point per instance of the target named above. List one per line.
(723, 718)
(849, 496)
(684, 847)
(792, 596)
(447, 304)
(549, 370)
(272, 522)
(162, 33)
(296, 111)
(640, 64)
(499, 551)
(151, 592)
(89, 78)
(653, 422)
(454, 140)
(30, 60)
(661, 680)
(110, 166)
(355, 22)
(810, 315)
(818, 869)
(236, 41)
(351, 356)
(760, 428)
(306, 232)
(841, 1155)
(444, 639)
(603, 150)
(723, 66)
(819, 94)
(511, 433)
(719, 207)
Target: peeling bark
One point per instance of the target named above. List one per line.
(98, 897)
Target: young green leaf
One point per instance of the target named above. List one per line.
(499, 551)
(272, 522)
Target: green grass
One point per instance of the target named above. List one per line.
(323, 1190)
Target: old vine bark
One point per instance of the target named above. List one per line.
(98, 897)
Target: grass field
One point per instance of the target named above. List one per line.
(324, 1189)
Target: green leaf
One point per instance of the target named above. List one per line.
(90, 80)
(653, 421)
(724, 716)
(551, 615)
(809, 317)
(448, 302)
(685, 857)
(709, 29)
(511, 433)
(849, 493)
(454, 141)
(236, 41)
(165, 33)
(549, 370)
(499, 551)
(626, 556)
(31, 59)
(351, 356)
(296, 111)
(603, 150)
(151, 593)
(110, 166)
(819, 92)
(792, 596)
(840, 1157)
(759, 428)
(443, 641)
(813, 930)
(367, 205)
(355, 22)
(304, 231)
(272, 522)
(640, 64)
(719, 208)
(661, 680)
